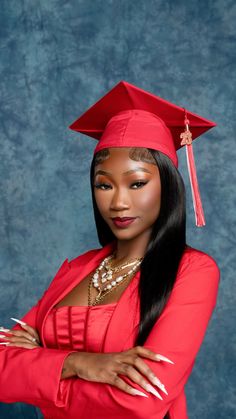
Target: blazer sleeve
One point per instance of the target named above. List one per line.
(177, 334)
(32, 375)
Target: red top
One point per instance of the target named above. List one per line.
(81, 328)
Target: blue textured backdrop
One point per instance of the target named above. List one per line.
(56, 58)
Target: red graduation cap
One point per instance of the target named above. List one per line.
(128, 116)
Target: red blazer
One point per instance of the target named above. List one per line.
(33, 375)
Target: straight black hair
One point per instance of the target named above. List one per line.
(167, 243)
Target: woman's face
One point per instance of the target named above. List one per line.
(127, 188)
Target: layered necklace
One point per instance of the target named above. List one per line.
(105, 273)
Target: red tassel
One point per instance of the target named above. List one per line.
(197, 203)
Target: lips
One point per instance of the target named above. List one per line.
(122, 218)
(123, 222)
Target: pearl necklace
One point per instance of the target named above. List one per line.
(108, 276)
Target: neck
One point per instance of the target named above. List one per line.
(129, 249)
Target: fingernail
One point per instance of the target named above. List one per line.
(152, 390)
(138, 393)
(19, 321)
(163, 358)
(2, 329)
(2, 336)
(158, 383)
(4, 343)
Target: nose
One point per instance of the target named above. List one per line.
(120, 200)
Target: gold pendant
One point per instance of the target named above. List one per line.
(99, 295)
(186, 137)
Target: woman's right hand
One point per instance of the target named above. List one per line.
(106, 367)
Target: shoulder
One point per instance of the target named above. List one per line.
(198, 275)
(92, 253)
(84, 257)
(75, 262)
(194, 259)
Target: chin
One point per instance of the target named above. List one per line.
(126, 235)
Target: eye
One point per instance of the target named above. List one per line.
(139, 184)
(102, 186)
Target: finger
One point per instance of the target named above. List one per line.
(20, 339)
(3, 329)
(145, 352)
(23, 345)
(31, 331)
(137, 378)
(122, 385)
(25, 326)
(145, 370)
(21, 333)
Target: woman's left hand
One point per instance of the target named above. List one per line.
(27, 338)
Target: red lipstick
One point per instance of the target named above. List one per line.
(123, 222)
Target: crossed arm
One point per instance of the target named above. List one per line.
(34, 376)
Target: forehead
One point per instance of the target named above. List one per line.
(118, 152)
(126, 158)
(128, 153)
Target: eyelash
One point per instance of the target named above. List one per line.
(99, 185)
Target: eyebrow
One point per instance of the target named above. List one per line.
(136, 169)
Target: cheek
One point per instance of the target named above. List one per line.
(148, 199)
(100, 201)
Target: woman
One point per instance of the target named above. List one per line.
(128, 318)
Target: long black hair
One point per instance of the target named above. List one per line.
(167, 242)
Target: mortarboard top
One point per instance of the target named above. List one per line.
(158, 128)
(128, 116)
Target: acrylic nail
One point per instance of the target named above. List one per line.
(2, 337)
(4, 343)
(2, 329)
(152, 390)
(163, 358)
(138, 393)
(18, 321)
(159, 384)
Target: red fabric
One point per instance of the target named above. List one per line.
(81, 328)
(127, 116)
(138, 128)
(33, 376)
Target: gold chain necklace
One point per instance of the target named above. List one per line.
(118, 268)
(108, 276)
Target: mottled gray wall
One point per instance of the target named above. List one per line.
(56, 58)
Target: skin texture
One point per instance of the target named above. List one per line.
(121, 195)
(117, 194)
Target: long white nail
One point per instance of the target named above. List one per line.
(18, 321)
(163, 358)
(2, 329)
(2, 336)
(138, 393)
(4, 343)
(152, 390)
(159, 384)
